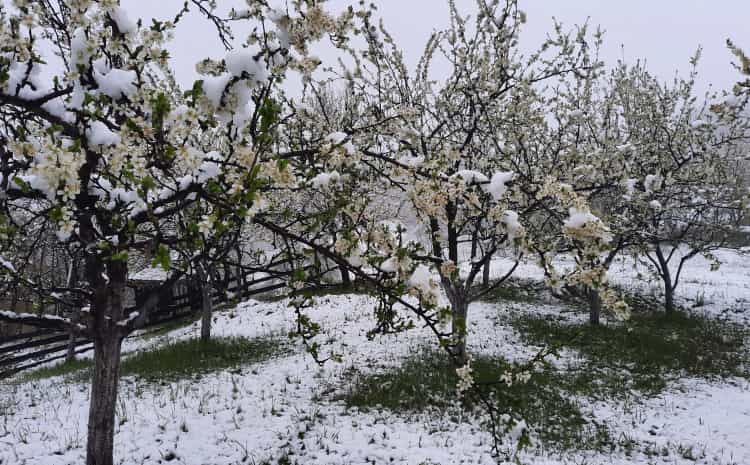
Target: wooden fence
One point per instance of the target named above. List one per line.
(33, 348)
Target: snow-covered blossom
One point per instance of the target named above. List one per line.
(424, 285)
(66, 224)
(249, 62)
(513, 227)
(324, 180)
(471, 177)
(116, 83)
(510, 377)
(81, 49)
(584, 225)
(123, 21)
(411, 161)
(652, 182)
(206, 225)
(99, 134)
(498, 185)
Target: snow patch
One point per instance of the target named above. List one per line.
(498, 185)
(98, 134)
(245, 60)
(116, 83)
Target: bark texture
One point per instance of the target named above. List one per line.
(459, 329)
(107, 311)
(595, 306)
(101, 427)
(666, 277)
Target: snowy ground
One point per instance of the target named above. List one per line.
(266, 410)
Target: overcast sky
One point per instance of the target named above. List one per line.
(665, 33)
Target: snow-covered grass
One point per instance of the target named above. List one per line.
(425, 382)
(646, 352)
(284, 408)
(178, 359)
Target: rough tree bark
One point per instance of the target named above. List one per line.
(101, 428)
(345, 278)
(459, 330)
(666, 277)
(459, 301)
(595, 305)
(240, 273)
(106, 312)
(668, 295)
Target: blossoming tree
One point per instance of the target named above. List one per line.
(662, 167)
(447, 149)
(685, 192)
(100, 147)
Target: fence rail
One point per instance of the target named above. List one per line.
(181, 301)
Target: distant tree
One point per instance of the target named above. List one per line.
(663, 168)
(466, 183)
(543, 140)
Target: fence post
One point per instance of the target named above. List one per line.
(71, 353)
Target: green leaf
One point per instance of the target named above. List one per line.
(23, 185)
(121, 256)
(161, 258)
(56, 214)
(147, 184)
(160, 108)
(269, 115)
(194, 94)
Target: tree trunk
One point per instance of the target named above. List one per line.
(595, 305)
(70, 354)
(459, 330)
(486, 274)
(14, 301)
(107, 311)
(345, 279)
(101, 427)
(240, 275)
(668, 297)
(666, 277)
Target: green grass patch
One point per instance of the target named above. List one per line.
(514, 290)
(192, 357)
(61, 369)
(177, 360)
(426, 381)
(645, 352)
(168, 327)
(640, 303)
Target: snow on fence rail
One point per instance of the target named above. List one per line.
(33, 348)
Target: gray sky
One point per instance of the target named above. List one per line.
(665, 33)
